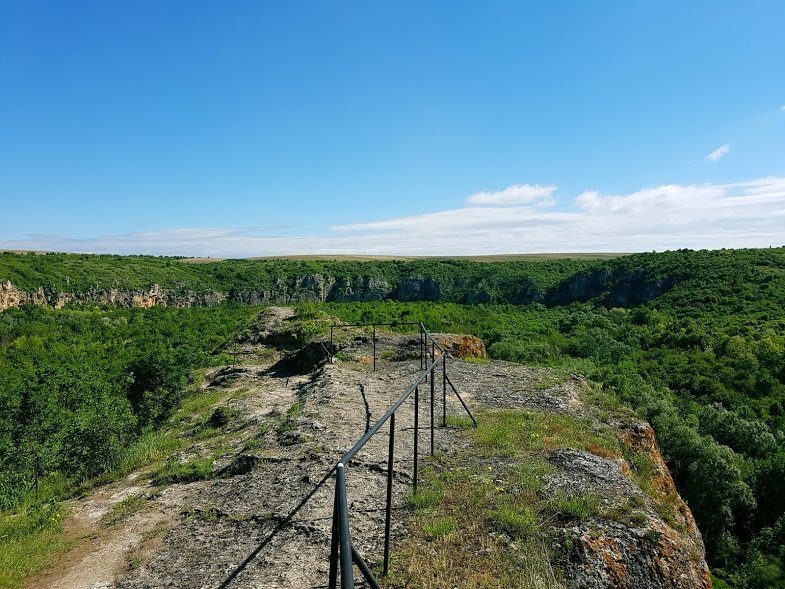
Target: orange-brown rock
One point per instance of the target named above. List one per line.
(462, 346)
(639, 437)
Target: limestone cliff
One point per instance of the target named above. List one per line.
(617, 288)
(11, 297)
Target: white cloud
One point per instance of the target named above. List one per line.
(671, 216)
(782, 108)
(718, 153)
(515, 194)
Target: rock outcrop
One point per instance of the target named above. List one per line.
(612, 288)
(462, 346)
(275, 439)
(11, 297)
(638, 532)
(620, 288)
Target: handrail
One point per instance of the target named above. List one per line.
(376, 426)
(341, 548)
(423, 348)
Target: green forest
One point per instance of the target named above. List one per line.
(694, 341)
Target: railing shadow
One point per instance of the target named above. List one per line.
(343, 554)
(282, 524)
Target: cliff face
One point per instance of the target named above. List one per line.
(11, 297)
(610, 288)
(309, 287)
(318, 287)
(651, 540)
(621, 288)
(638, 532)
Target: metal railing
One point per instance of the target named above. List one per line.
(342, 551)
(333, 327)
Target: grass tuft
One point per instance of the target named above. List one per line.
(440, 527)
(123, 510)
(183, 472)
(576, 507)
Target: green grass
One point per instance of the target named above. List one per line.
(511, 433)
(480, 520)
(30, 540)
(517, 520)
(463, 512)
(173, 472)
(440, 528)
(123, 510)
(426, 498)
(289, 422)
(197, 403)
(150, 447)
(576, 507)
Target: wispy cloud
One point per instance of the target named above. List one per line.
(782, 108)
(741, 214)
(718, 153)
(515, 194)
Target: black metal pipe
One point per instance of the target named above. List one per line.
(425, 346)
(342, 325)
(444, 390)
(342, 549)
(388, 512)
(333, 582)
(416, 431)
(457, 394)
(365, 569)
(422, 346)
(433, 382)
(347, 457)
(433, 339)
(374, 348)
(347, 572)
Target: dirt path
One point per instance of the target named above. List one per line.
(262, 519)
(239, 531)
(279, 447)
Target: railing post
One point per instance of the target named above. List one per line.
(374, 348)
(444, 389)
(422, 360)
(363, 566)
(347, 570)
(388, 513)
(416, 431)
(335, 538)
(433, 383)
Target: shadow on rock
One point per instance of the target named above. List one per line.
(303, 361)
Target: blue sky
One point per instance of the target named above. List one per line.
(260, 128)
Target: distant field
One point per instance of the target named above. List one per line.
(480, 258)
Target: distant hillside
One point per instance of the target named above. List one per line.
(687, 277)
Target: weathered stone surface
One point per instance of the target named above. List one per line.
(618, 288)
(462, 346)
(629, 544)
(621, 288)
(11, 297)
(239, 528)
(417, 289)
(241, 464)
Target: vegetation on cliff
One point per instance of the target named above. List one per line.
(695, 341)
